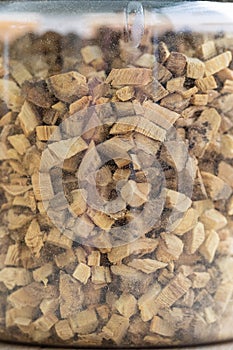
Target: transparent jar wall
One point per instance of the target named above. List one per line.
(116, 173)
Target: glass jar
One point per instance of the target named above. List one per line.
(116, 173)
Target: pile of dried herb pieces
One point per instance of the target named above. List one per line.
(155, 125)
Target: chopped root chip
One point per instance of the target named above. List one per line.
(103, 312)
(227, 146)
(15, 190)
(146, 302)
(12, 277)
(163, 52)
(91, 53)
(103, 176)
(162, 116)
(170, 248)
(218, 63)
(45, 322)
(176, 84)
(66, 258)
(195, 68)
(204, 131)
(213, 219)
(215, 187)
(140, 125)
(207, 50)
(176, 63)
(82, 273)
(116, 328)
(147, 265)
(195, 238)
(84, 322)
(175, 102)
(210, 315)
(69, 86)
(146, 61)
(186, 224)
(80, 104)
(200, 279)
(42, 273)
(205, 84)
(20, 143)
(100, 275)
(44, 132)
(162, 327)
(130, 76)
(94, 258)
(175, 289)
(100, 219)
(64, 330)
(28, 119)
(48, 305)
(200, 99)
(79, 205)
(10, 94)
(12, 255)
(223, 295)
(19, 72)
(225, 172)
(140, 247)
(30, 295)
(210, 245)
(34, 238)
(125, 93)
(126, 305)
(154, 90)
(177, 200)
(56, 238)
(135, 194)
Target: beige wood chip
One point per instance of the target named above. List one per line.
(28, 118)
(34, 238)
(82, 273)
(173, 291)
(207, 50)
(69, 86)
(218, 63)
(215, 187)
(162, 327)
(206, 84)
(44, 132)
(210, 245)
(12, 277)
(116, 328)
(195, 68)
(147, 265)
(130, 76)
(195, 238)
(176, 63)
(56, 238)
(135, 194)
(64, 330)
(84, 322)
(213, 219)
(126, 305)
(19, 142)
(10, 94)
(170, 248)
(125, 93)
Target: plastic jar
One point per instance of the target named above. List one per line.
(116, 173)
